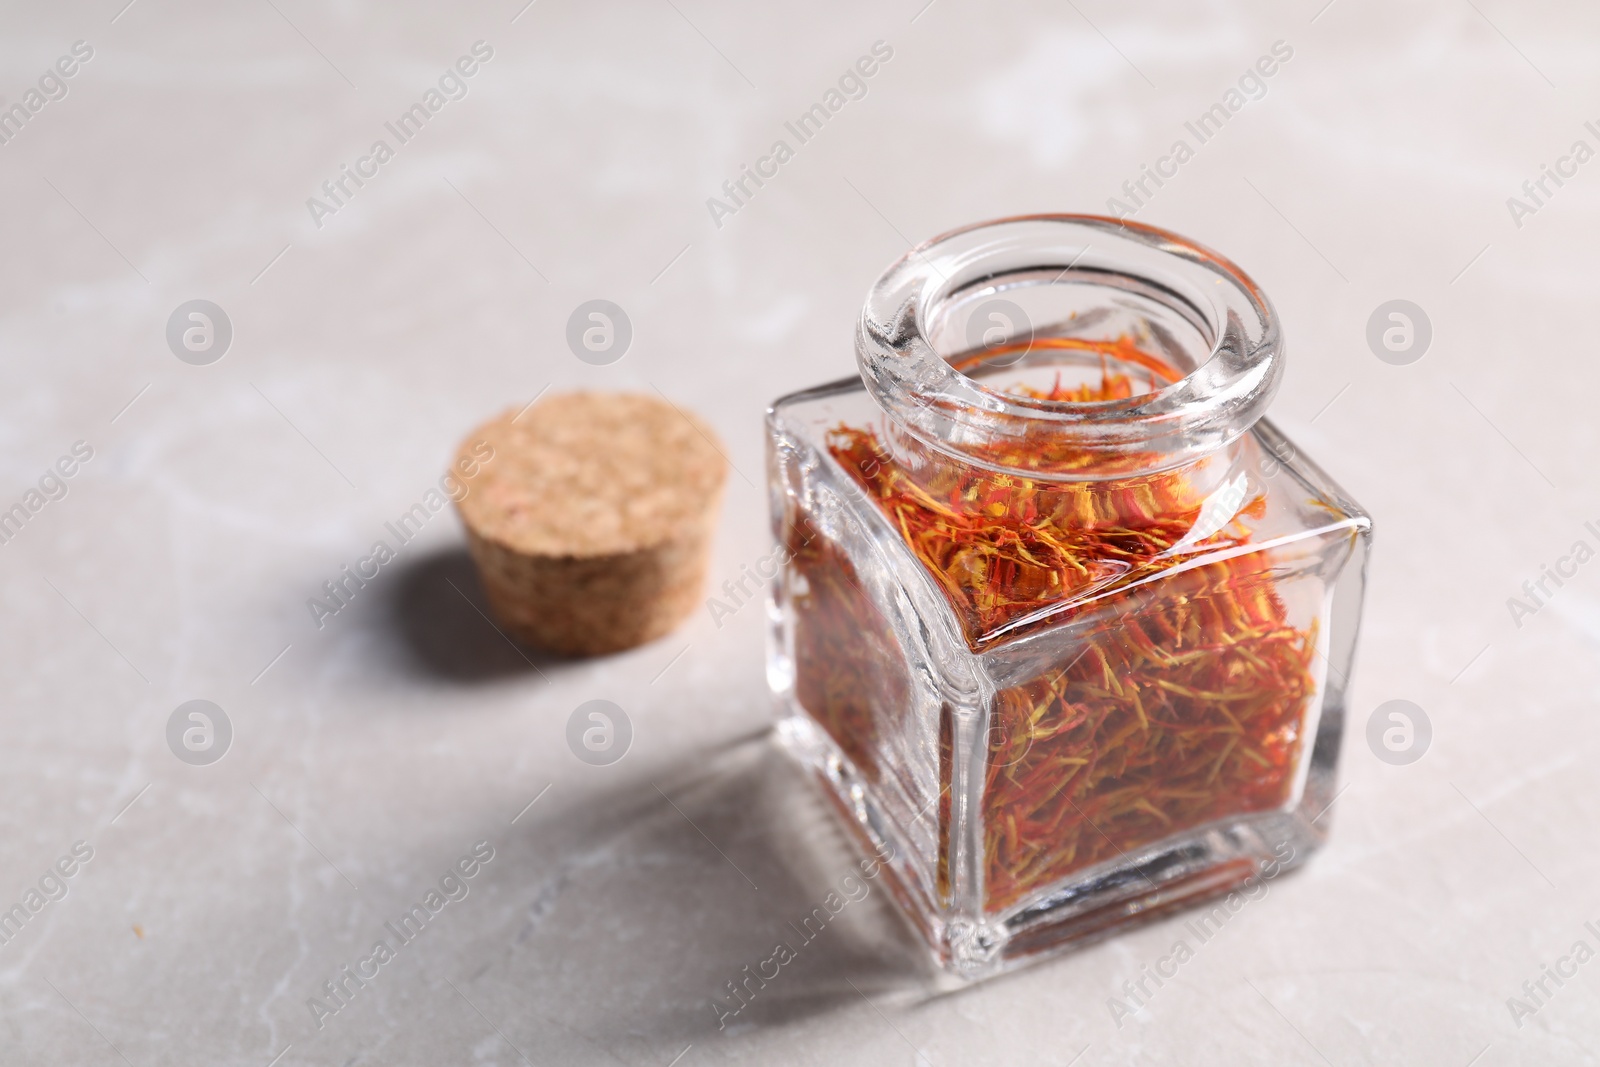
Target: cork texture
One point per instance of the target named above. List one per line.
(590, 517)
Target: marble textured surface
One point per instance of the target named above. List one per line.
(369, 755)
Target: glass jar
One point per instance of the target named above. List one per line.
(1064, 626)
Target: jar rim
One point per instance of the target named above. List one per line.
(1205, 410)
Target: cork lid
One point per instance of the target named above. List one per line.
(590, 474)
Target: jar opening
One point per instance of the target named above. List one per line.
(1075, 332)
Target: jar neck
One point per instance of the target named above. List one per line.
(1084, 499)
(1069, 348)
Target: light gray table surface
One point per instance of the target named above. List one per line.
(368, 755)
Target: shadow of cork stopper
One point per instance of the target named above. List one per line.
(589, 517)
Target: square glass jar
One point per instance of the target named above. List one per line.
(1063, 626)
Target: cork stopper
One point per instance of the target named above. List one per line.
(590, 516)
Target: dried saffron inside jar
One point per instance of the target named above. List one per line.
(1065, 624)
(848, 672)
(1176, 710)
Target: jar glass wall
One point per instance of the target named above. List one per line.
(1064, 625)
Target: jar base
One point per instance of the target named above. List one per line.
(1230, 862)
